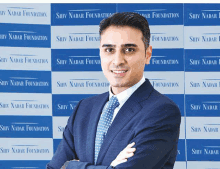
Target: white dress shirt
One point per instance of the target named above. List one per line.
(123, 96)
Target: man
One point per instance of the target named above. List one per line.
(130, 127)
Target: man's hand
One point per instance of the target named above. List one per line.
(124, 154)
(66, 163)
(121, 158)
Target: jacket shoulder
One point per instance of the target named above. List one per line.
(162, 102)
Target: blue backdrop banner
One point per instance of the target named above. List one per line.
(50, 60)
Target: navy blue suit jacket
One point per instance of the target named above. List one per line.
(148, 118)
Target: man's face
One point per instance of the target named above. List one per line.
(123, 56)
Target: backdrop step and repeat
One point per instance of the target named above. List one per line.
(49, 60)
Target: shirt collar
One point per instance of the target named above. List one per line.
(123, 96)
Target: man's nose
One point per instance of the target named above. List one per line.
(119, 58)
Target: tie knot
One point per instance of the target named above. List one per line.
(113, 102)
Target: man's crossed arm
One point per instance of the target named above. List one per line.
(154, 144)
(121, 158)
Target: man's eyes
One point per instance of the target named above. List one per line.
(124, 50)
(109, 50)
(129, 50)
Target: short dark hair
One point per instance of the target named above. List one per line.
(131, 19)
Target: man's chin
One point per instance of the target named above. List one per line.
(119, 84)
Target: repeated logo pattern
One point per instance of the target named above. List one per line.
(50, 60)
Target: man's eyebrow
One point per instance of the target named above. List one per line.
(108, 45)
(124, 45)
(129, 45)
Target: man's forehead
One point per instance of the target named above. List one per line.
(120, 30)
(121, 35)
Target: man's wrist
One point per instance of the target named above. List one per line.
(112, 166)
(65, 164)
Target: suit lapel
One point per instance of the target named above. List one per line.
(127, 111)
(92, 126)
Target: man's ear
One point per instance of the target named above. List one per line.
(148, 54)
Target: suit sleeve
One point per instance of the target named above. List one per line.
(153, 144)
(66, 150)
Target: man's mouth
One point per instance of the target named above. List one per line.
(119, 72)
